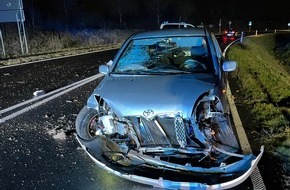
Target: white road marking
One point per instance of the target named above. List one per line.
(46, 97)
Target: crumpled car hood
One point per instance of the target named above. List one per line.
(132, 95)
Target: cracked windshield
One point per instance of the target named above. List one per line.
(166, 55)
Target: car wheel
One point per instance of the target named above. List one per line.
(86, 123)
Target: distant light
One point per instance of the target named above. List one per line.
(289, 24)
(250, 23)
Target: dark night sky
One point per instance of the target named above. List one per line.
(79, 14)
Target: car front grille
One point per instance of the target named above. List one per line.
(160, 131)
(180, 131)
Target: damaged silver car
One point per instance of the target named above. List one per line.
(160, 115)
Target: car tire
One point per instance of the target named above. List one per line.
(86, 123)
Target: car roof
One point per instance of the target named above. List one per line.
(171, 32)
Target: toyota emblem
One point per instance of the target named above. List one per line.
(148, 113)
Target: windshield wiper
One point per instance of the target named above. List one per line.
(163, 71)
(159, 72)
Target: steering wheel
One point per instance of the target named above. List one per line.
(191, 64)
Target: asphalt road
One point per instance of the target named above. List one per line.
(38, 147)
(19, 82)
(39, 150)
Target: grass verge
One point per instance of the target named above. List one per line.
(264, 80)
(44, 45)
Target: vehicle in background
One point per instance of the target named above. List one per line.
(171, 25)
(230, 33)
(229, 36)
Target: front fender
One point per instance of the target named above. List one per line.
(92, 102)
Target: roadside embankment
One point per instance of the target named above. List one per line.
(46, 45)
(262, 89)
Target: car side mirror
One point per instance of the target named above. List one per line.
(229, 66)
(104, 69)
(109, 63)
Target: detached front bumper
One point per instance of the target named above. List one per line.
(163, 183)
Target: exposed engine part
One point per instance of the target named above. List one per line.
(213, 123)
(112, 126)
(207, 133)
